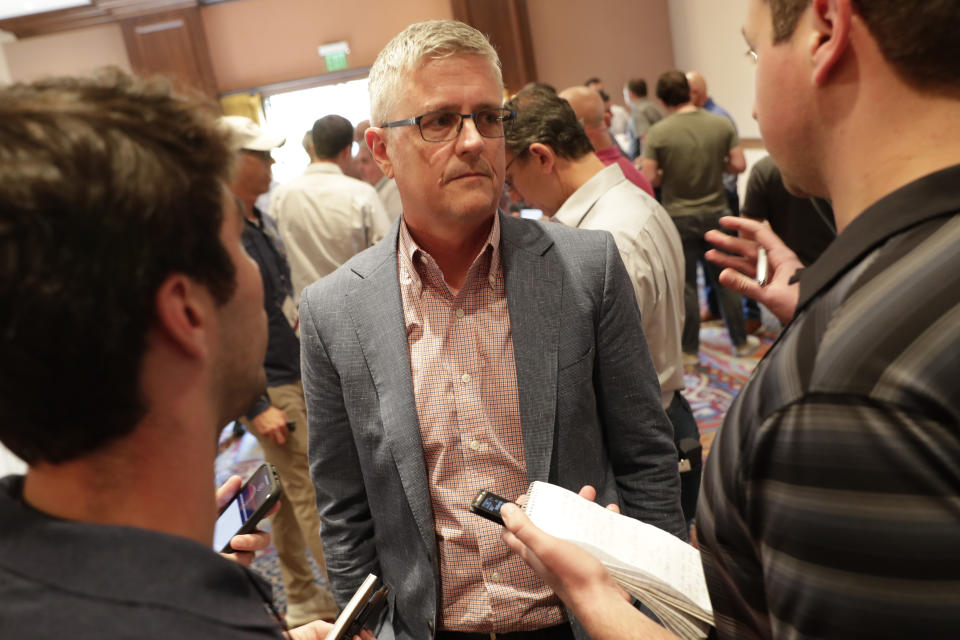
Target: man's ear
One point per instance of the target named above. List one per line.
(830, 36)
(376, 139)
(183, 310)
(543, 156)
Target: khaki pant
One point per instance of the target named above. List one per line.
(296, 526)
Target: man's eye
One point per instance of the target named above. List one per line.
(440, 120)
(490, 117)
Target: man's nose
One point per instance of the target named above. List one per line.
(469, 138)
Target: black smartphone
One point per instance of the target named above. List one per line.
(245, 511)
(487, 505)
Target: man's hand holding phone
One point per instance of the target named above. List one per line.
(243, 546)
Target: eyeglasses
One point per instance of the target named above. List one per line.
(440, 126)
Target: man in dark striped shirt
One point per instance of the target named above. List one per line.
(831, 500)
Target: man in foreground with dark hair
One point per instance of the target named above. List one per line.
(326, 216)
(124, 288)
(829, 505)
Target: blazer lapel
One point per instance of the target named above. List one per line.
(376, 309)
(533, 281)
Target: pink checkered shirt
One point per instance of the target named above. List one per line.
(465, 385)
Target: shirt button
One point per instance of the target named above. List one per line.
(423, 259)
(465, 378)
(460, 313)
(475, 445)
(493, 280)
(495, 576)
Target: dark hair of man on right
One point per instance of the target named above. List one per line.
(920, 39)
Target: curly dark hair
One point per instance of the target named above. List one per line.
(108, 185)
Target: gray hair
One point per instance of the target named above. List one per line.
(432, 39)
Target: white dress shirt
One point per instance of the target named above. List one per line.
(651, 250)
(325, 218)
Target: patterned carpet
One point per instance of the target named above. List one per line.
(710, 388)
(712, 385)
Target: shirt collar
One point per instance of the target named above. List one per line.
(579, 204)
(409, 252)
(258, 215)
(324, 166)
(929, 197)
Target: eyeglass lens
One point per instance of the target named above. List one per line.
(445, 125)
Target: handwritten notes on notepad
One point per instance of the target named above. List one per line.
(655, 567)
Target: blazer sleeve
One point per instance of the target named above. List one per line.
(639, 437)
(348, 527)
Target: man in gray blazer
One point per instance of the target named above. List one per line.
(469, 350)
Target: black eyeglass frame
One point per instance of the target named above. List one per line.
(507, 115)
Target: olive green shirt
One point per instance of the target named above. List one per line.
(691, 149)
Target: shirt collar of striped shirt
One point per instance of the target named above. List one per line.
(929, 197)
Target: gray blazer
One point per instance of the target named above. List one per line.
(589, 406)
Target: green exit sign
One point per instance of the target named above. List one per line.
(334, 54)
(336, 61)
